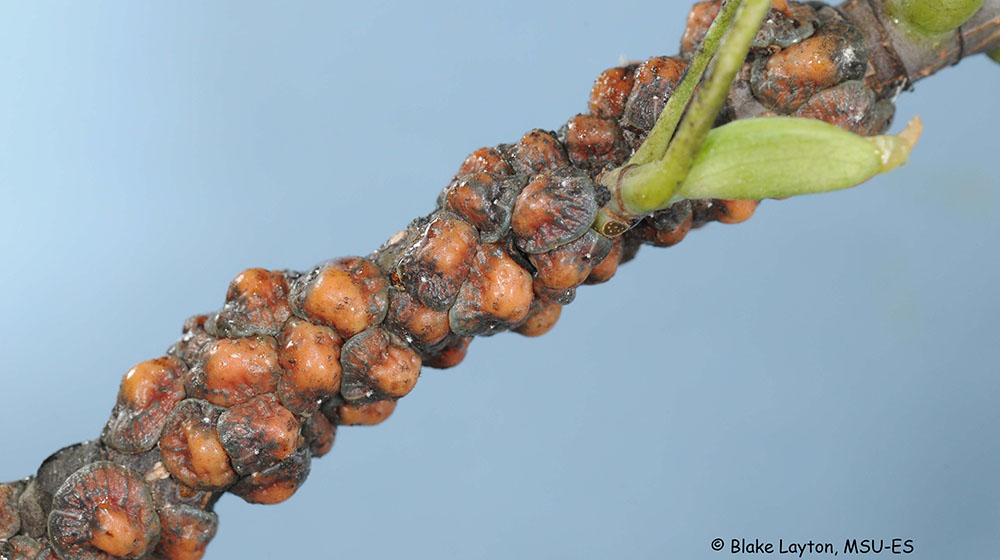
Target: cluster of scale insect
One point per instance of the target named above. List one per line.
(250, 394)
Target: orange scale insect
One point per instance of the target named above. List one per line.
(488, 160)
(319, 434)
(148, 393)
(192, 451)
(553, 209)
(366, 414)
(699, 19)
(437, 262)
(608, 266)
(21, 548)
(788, 78)
(567, 266)
(277, 483)
(593, 143)
(541, 319)
(735, 211)
(309, 356)
(415, 321)
(655, 80)
(666, 227)
(378, 364)
(349, 294)
(496, 295)
(234, 370)
(10, 516)
(102, 511)
(611, 90)
(448, 354)
(537, 151)
(194, 339)
(485, 200)
(850, 105)
(185, 532)
(258, 434)
(256, 303)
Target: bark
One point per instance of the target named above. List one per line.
(895, 62)
(898, 59)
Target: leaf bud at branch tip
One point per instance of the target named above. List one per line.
(777, 157)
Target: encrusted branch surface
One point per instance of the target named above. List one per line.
(249, 395)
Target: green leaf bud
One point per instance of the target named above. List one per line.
(777, 157)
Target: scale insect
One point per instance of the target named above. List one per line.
(591, 376)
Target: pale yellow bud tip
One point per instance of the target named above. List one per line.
(894, 149)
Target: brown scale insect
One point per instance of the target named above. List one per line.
(435, 265)
(349, 294)
(593, 143)
(10, 517)
(607, 268)
(21, 548)
(164, 489)
(414, 321)
(563, 297)
(191, 448)
(785, 26)
(33, 506)
(850, 105)
(630, 248)
(234, 370)
(537, 151)
(485, 160)
(258, 434)
(319, 433)
(185, 532)
(496, 295)
(611, 90)
(277, 483)
(703, 211)
(193, 340)
(699, 19)
(569, 265)
(485, 200)
(148, 392)
(365, 414)
(667, 227)
(787, 79)
(735, 211)
(553, 209)
(309, 356)
(655, 80)
(449, 353)
(35, 502)
(378, 365)
(723, 211)
(256, 303)
(103, 511)
(541, 319)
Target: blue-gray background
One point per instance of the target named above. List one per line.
(826, 370)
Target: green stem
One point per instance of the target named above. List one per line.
(655, 144)
(932, 17)
(995, 55)
(642, 189)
